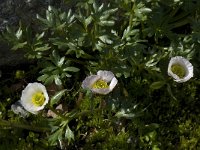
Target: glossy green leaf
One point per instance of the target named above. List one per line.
(123, 114)
(40, 36)
(71, 69)
(157, 85)
(61, 61)
(53, 138)
(88, 21)
(19, 45)
(56, 57)
(57, 80)
(43, 48)
(19, 33)
(69, 135)
(57, 97)
(107, 23)
(48, 69)
(43, 77)
(105, 39)
(49, 80)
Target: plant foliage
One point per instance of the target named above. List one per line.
(134, 39)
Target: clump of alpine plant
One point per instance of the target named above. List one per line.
(33, 99)
(180, 69)
(102, 83)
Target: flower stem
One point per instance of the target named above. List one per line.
(23, 126)
(131, 16)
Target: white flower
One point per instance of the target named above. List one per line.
(99, 83)
(34, 97)
(18, 109)
(180, 69)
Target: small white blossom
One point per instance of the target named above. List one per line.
(18, 109)
(180, 69)
(34, 97)
(99, 83)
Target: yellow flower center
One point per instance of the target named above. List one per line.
(38, 99)
(178, 70)
(100, 84)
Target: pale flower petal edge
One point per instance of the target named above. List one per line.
(18, 109)
(105, 75)
(113, 83)
(101, 91)
(185, 64)
(27, 93)
(89, 81)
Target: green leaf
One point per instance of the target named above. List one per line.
(56, 98)
(19, 33)
(57, 80)
(128, 32)
(100, 7)
(88, 21)
(43, 48)
(145, 10)
(61, 26)
(56, 57)
(43, 77)
(49, 80)
(123, 114)
(70, 16)
(110, 11)
(19, 45)
(105, 39)
(155, 147)
(59, 43)
(63, 16)
(49, 14)
(48, 69)
(55, 137)
(39, 36)
(157, 85)
(72, 69)
(56, 71)
(63, 75)
(69, 134)
(170, 91)
(61, 61)
(107, 23)
(95, 7)
(80, 53)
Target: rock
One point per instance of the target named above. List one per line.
(11, 13)
(10, 58)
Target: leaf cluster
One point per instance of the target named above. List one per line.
(135, 40)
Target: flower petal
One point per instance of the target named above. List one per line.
(17, 108)
(89, 81)
(28, 92)
(101, 91)
(185, 64)
(105, 75)
(113, 83)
